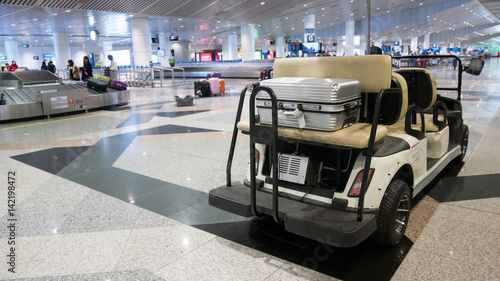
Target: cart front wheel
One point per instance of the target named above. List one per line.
(394, 214)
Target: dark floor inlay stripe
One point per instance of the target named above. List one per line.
(173, 129)
(367, 261)
(51, 160)
(173, 114)
(451, 189)
(154, 105)
(136, 119)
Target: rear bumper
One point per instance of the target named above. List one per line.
(325, 225)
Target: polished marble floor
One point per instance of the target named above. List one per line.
(121, 194)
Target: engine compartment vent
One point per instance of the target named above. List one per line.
(292, 168)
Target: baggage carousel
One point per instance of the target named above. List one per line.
(30, 94)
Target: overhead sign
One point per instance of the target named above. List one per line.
(311, 38)
(3, 57)
(26, 46)
(36, 58)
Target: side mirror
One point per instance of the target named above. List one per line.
(475, 67)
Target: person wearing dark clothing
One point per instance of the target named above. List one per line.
(44, 66)
(455, 63)
(375, 50)
(51, 67)
(86, 69)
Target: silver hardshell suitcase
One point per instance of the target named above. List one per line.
(325, 104)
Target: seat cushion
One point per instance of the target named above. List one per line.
(355, 136)
(399, 127)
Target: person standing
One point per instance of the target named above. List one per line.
(86, 69)
(74, 73)
(51, 67)
(113, 68)
(13, 66)
(6, 67)
(44, 66)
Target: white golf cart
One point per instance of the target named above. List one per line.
(343, 186)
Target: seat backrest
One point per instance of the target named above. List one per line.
(373, 72)
(422, 86)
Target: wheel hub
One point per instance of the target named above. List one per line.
(402, 214)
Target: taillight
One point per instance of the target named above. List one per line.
(356, 186)
(257, 156)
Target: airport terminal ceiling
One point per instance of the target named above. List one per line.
(448, 21)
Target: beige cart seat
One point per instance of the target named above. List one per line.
(354, 136)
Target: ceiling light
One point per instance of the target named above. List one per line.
(54, 14)
(67, 11)
(13, 24)
(322, 9)
(180, 19)
(35, 19)
(69, 26)
(286, 18)
(262, 3)
(305, 5)
(183, 26)
(131, 16)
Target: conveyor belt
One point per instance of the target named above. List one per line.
(29, 94)
(40, 93)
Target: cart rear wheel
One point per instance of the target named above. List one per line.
(464, 142)
(394, 214)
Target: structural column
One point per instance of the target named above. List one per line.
(349, 38)
(12, 51)
(165, 46)
(280, 47)
(247, 42)
(378, 42)
(232, 48)
(309, 26)
(414, 44)
(61, 48)
(106, 48)
(181, 50)
(427, 40)
(141, 41)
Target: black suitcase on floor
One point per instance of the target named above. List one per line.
(203, 89)
(2, 100)
(97, 85)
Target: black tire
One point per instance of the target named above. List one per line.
(464, 142)
(394, 214)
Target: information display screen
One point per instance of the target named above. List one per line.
(312, 47)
